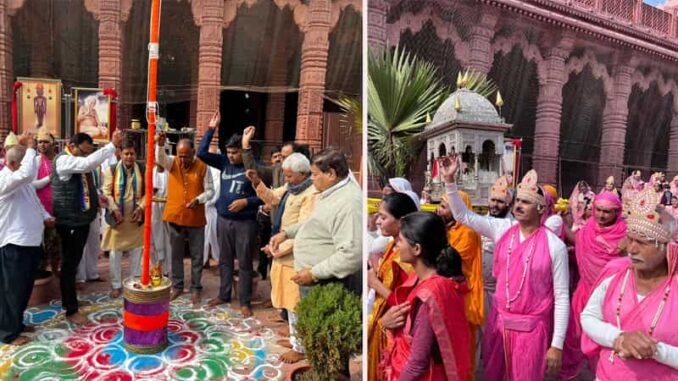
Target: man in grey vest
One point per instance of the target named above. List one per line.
(75, 203)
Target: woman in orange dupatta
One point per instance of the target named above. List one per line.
(431, 338)
(387, 274)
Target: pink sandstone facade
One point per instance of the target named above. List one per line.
(624, 44)
(314, 19)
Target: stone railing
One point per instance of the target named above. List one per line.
(631, 13)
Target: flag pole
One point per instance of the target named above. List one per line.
(151, 110)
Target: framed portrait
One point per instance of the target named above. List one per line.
(92, 113)
(39, 105)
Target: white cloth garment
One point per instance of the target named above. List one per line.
(21, 212)
(134, 257)
(495, 228)
(67, 165)
(211, 242)
(87, 269)
(160, 245)
(605, 333)
(294, 338)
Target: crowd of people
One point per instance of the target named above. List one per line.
(60, 210)
(525, 292)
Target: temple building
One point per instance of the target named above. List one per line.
(589, 85)
(279, 65)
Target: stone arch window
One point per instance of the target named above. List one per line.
(442, 150)
(468, 155)
(487, 160)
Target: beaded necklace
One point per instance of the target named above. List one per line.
(657, 315)
(510, 300)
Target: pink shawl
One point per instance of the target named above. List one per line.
(638, 316)
(594, 248)
(45, 194)
(577, 211)
(516, 339)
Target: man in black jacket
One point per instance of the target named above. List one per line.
(75, 203)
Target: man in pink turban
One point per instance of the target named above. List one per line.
(596, 243)
(527, 324)
(630, 318)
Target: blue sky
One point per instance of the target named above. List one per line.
(654, 2)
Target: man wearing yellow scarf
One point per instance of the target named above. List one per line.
(124, 189)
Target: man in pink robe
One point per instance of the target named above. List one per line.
(596, 243)
(526, 328)
(630, 319)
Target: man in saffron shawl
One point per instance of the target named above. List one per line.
(595, 245)
(467, 243)
(630, 319)
(526, 327)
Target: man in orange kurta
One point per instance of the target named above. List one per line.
(467, 242)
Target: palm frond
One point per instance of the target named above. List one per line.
(479, 83)
(353, 108)
(402, 90)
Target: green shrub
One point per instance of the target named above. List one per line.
(330, 328)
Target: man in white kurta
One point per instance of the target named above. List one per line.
(23, 218)
(160, 237)
(211, 241)
(124, 189)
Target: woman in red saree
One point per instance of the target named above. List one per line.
(386, 275)
(432, 340)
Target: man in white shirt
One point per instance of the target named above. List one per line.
(160, 237)
(75, 203)
(23, 219)
(211, 241)
(630, 320)
(532, 271)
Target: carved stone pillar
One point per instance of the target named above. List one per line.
(209, 16)
(376, 21)
(480, 47)
(314, 53)
(111, 15)
(41, 56)
(6, 72)
(275, 106)
(615, 115)
(549, 109)
(110, 47)
(275, 118)
(673, 142)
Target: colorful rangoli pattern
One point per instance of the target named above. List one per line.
(212, 344)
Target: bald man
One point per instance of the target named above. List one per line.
(189, 187)
(23, 219)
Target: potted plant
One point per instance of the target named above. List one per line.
(329, 324)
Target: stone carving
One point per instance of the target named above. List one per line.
(444, 30)
(577, 64)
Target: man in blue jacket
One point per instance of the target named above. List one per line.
(237, 208)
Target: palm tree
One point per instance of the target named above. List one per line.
(403, 91)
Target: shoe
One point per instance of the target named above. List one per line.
(176, 293)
